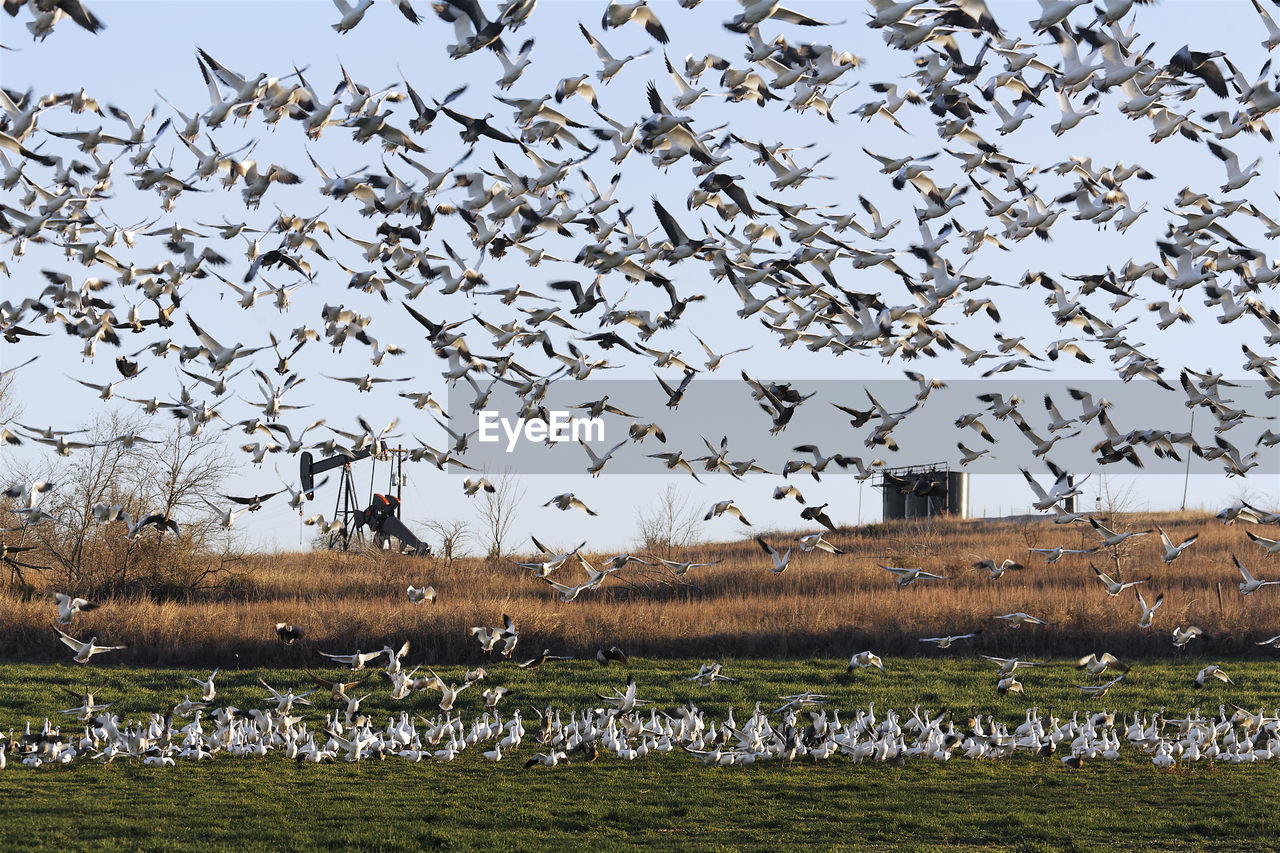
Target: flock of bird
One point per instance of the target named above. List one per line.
(524, 188)
(625, 725)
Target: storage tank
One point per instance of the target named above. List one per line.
(945, 492)
(958, 494)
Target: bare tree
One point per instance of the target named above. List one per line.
(165, 477)
(497, 512)
(669, 525)
(453, 534)
(1113, 502)
(10, 402)
(75, 542)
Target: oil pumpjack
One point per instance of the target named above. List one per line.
(381, 515)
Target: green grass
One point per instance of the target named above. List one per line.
(662, 802)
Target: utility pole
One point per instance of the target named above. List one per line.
(1186, 478)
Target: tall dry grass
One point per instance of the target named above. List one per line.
(822, 605)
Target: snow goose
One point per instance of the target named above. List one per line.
(68, 607)
(1250, 584)
(1018, 619)
(568, 501)
(493, 696)
(613, 653)
(997, 570)
(488, 637)
(1269, 546)
(1052, 555)
(862, 660)
(1008, 684)
(968, 455)
(1114, 587)
(755, 11)
(417, 595)
(1110, 538)
(1212, 671)
(83, 650)
(780, 561)
(708, 674)
(1097, 691)
(538, 660)
(1098, 664)
(815, 541)
(356, 660)
(725, 507)
(207, 688)
(1272, 41)
(1148, 612)
(1172, 551)
(789, 491)
(288, 634)
(906, 577)
(1236, 177)
(509, 635)
(680, 568)
(609, 65)
(1182, 636)
(616, 14)
(947, 641)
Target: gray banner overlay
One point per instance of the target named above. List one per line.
(1142, 421)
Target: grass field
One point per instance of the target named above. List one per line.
(663, 802)
(823, 605)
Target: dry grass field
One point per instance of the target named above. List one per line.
(821, 605)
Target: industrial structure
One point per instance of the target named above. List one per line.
(382, 513)
(924, 491)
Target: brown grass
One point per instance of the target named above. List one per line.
(822, 604)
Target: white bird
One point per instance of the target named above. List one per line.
(418, 595)
(1148, 613)
(1110, 538)
(680, 568)
(1172, 551)
(207, 689)
(1272, 41)
(567, 501)
(780, 561)
(1009, 684)
(997, 569)
(1098, 664)
(1114, 587)
(814, 541)
(1182, 636)
(1269, 546)
(351, 15)
(947, 641)
(862, 660)
(609, 65)
(906, 577)
(1009, 665)
(84, 651)
(598, 461)
(1019, 619)
(1214, 671)
(1052, 555)
(1236, 177)
(68, 607)
(1250, 584)
(357, 660)
(725, 507)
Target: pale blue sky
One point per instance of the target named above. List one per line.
(150, 46)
